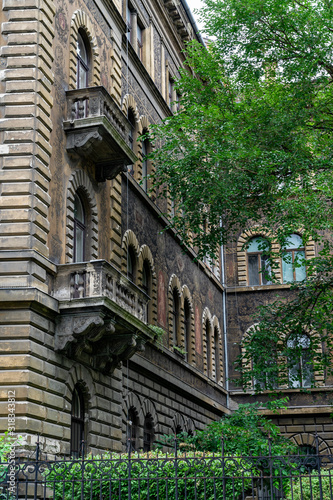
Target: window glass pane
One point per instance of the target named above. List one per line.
(128, 15)
(76, 406)
(258, 245)
(265, 270)
(144, 277)
(299, 260)
(253, 270)
(293, 241)
(82, 81)
(294, 376)
(130, 268)
(139, 34)
(78, 209)
(307, 369)
(287, 267)
(81, 49)
(144, 167)
(79, 244)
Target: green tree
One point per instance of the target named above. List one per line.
(245, 432)
(252, 145)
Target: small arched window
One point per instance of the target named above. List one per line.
(145, 150)
(208, 348)
(80, 230)
(148, 432)
(146, 286)
(258, 262)
(132, 429)
(131, 264)
(175, 315)
(293, 259)
(82, 53)
(300, 362)
(77, 423)
(187, 328)
(217, 354)
(131, 135)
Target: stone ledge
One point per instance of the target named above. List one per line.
(257, 288)
(14, 298)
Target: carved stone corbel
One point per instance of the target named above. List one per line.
(69, 329)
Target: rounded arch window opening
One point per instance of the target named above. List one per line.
(187, 328)
(80, 229)
(83, 60)
(175, 315)
(77, 423)
(148, 433)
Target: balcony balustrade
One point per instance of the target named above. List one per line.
(98, 130)
(102, 314)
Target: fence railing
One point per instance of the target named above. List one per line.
(175, 476)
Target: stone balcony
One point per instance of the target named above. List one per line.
(102, 315)
(98, 130)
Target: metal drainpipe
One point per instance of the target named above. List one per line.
(224, 307)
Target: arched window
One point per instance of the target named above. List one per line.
(148, 432)
(77, 423)
(179, 430)
(131, 135)
(187, 328)
(258, 262)
(82, 53)
(80, 230)
(132, 429)
(300, 362)
(131, 264)
(293, 259)
(145, 150)
(217, 355)
(146, 286)
(175, 315)
(208, 348)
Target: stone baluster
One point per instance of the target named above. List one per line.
(72, 110)
(81, 285)
(81, 106)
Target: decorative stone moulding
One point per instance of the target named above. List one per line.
(182, 26)
(102, 315)
(97, 129)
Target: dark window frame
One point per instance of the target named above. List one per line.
(175, 315)
(262, 271)
(148, 432)
(79, 226)
(77, 424)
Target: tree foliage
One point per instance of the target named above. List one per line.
(245, 432)
(251, 145)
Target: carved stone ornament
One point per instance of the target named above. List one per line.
(110, 170)
(82, 142)
(97, 337)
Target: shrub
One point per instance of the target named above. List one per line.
(155, 476)
(308, 487)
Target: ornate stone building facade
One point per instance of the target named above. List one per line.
(85, 264)
(110, 334)
(309, 409)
